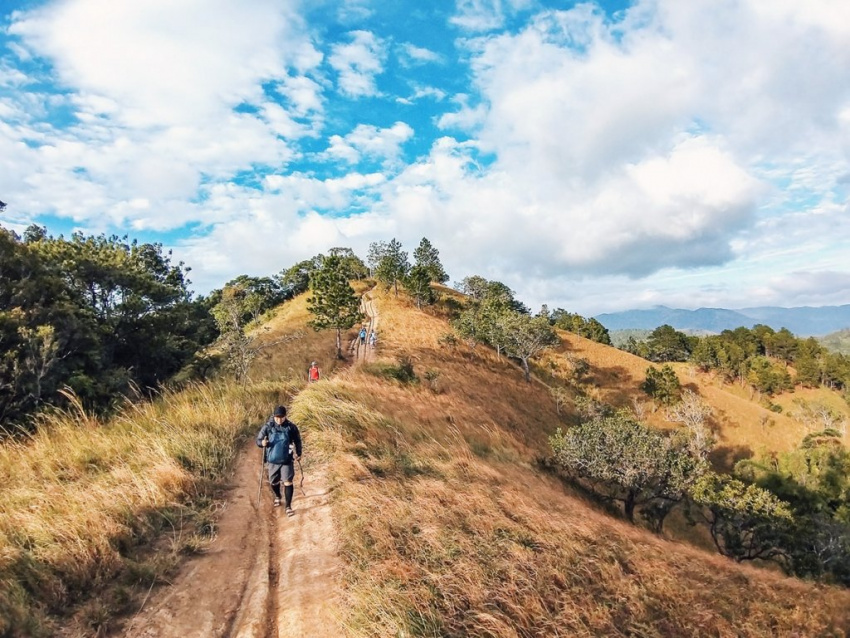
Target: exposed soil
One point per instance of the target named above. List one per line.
(361, 352)
(265, 575)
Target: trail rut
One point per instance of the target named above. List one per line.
(265, 575)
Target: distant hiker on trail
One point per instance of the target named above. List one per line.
(313, 373)
(281, 438)
(373, 339)
(363, 336)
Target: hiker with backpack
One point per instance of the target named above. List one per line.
(313, 373)
(282, 442)
(373, 339)
(363, 336)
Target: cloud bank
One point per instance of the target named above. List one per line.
(679, 153)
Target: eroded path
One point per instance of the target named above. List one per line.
(264, 575)
(365, 352)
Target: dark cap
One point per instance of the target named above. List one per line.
(280, 411)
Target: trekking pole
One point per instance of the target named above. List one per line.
(292, 450)
(302, 477)
(262, 471)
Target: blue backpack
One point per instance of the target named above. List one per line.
(279, 440)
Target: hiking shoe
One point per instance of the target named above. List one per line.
(290, 511)
(277, 502)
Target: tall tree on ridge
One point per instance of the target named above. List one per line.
(334, 304)
(393, 266)
(377, 251)
(418, 283)
(428, 257)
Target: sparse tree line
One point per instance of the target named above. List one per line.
(792, 509)
(493, 316)
(103, 317)
(758, 356)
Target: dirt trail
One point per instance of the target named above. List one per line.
(361, 352)
(264, 575)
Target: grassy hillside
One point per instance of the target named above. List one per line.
(743, 424)
(449, 526)
(447, 522)
(93, 512)
(837, 341)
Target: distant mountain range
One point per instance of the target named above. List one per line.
(805, 321)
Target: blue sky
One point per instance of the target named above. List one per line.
(594, 157)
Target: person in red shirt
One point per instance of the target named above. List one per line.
(313, 373)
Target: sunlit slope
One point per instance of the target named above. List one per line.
(448, 526)
(743, 425)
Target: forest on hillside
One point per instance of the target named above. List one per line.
(97, 319)
(767, 360)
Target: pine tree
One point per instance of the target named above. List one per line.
(393, 266)
(334, 304)
(428, 257)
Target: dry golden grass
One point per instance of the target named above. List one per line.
(448, 527)
(82, 499)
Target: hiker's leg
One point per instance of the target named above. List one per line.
(288, 475)
(274, 478)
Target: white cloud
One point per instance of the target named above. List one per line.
(303, 93)
(372, 142)
(478, 15)
(10, 77)
(350, 11)
(211, 55)
(805, 287)
(410, 54)
(642, 146)
(309, 193)
(467, 118)
(357, 64)
(423, 92)
(261, 233)
(153, 88)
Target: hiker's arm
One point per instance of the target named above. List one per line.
(262, 435)
(296, 436)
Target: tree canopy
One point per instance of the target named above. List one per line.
(94, 313)
(427, 257)
(621, 459)
(333, 302)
